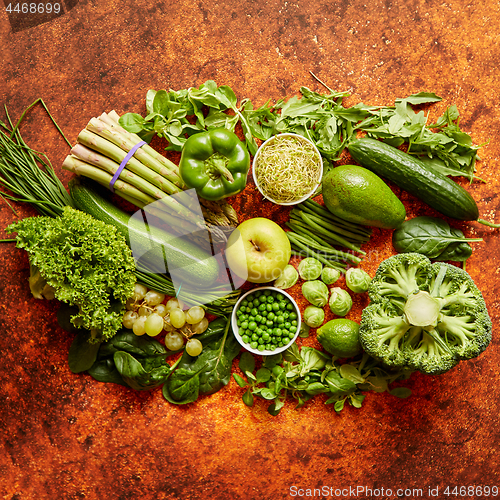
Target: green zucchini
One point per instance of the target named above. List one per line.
(414, 176)
(158, 248)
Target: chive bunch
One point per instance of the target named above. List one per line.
(27, 174)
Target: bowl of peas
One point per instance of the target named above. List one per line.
(266, 320)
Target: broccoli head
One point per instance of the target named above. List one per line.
(423, 316)
(80, 261)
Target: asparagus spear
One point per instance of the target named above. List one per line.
(112, 118)
(123, 141)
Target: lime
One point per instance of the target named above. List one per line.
(340, 337)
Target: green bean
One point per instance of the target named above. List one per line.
(315, 208)
(332, 263)
(324, 250)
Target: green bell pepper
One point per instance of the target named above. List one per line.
(215, 163)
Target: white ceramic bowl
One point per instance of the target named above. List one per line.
(234, 319)
(256, 158)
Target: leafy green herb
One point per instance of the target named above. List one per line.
(168, 114)
(304, 373)
(434, 238)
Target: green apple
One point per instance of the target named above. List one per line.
(258, 250)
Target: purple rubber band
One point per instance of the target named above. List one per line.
(123, 163)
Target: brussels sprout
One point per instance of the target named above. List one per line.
(357, 280)
(315, 292)
(340, 301)
(310, 268)
(314, 316)
(329, 275)
(287, 278)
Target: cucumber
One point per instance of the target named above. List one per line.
(412, 175)
(191, 264)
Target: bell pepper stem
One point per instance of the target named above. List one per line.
(217, 166)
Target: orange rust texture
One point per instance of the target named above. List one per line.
(65, 436)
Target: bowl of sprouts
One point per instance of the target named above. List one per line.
(287, 169)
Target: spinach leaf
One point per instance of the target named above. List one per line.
(82, 353)
(126, 359)
(208, 372)
(141, 376)
(126, 340)
(104, 370)
(429, 236)
(183, 388)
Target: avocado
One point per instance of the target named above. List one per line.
(358, 195)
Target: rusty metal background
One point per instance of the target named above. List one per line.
(65, 436)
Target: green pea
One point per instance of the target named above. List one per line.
(253, 345)
(270, 299)
(276, 306)
(262, 307)
(290, 307)
(244, 325)
(245, 339)
(261, 347)
(293, 329)
(252, 325)
(254, 337)
(271, 316)
(258, 318)
(244, 302)
(293, 315)
(266, 336)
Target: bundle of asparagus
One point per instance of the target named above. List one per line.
(147, 177)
